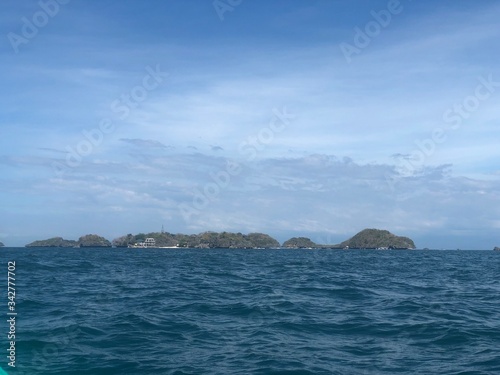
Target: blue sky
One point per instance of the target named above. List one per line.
(315, 118)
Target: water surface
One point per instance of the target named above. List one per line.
(168, 311)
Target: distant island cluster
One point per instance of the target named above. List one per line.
(366, 239)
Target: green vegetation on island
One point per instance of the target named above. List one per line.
(206, 240)
(299, 243)
(93, 240)
(89, 240)
(366, 239)
(53, 242)
(124, 241)
(227, 240)
(377, 239)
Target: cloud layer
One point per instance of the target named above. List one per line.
(256, 123)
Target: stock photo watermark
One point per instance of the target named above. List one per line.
(40, 358)
(453, 117)
(30, 26)
(372, 29)
(223, 6)
(122, 107)
(470, 104)
(60, 341)
(11, 312)
(249, 149)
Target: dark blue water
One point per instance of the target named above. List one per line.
(132, 311)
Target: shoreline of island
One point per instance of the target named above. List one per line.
(366, 239)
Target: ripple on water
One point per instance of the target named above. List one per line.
(117, 311)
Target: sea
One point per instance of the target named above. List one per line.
(239, 311)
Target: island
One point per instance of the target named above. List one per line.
(300, 243)
(1, 244)
(366, 239)
(205, 240)
(377, 239)
(53, 242)
(89, 240)
(93, 240)
(496, 248)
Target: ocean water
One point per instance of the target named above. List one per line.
(164, 311)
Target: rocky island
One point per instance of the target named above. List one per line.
(366, 239)
(89, 240)
(300, 243)
(205, 240)
(377, 239)
(1, 244)
(93, 240)
(496, 248)
(53, 242)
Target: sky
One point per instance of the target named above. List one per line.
(314, 118)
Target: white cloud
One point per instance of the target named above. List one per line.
(218, 94)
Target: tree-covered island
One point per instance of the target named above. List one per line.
(299, 243)
(206, 240)
(377, 239)
(89, 240)
(366, 239)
